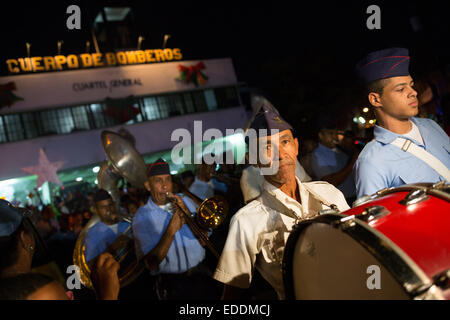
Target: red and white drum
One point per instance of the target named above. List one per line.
(393, 245)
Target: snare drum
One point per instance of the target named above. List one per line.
(395, 245)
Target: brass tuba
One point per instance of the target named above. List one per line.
(123, 161)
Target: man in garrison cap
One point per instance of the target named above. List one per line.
(166, 244)
(251, 179)
(258, 232)
(103, 233)
(405, 149)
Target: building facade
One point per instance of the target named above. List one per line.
(64, 112)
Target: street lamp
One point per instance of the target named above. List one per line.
(28, 45)
(59, 46)
(166, 37)
(140, 39)
(28, 48)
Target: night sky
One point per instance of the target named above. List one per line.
(300, 54)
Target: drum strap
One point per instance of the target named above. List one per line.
(409, 146)
(321, 200)
(272, 202)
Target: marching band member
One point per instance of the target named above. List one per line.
(329, 163)
(166, 244)
(406, 149)
(104, 232)
(258, 232)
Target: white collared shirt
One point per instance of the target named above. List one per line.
(257, 235)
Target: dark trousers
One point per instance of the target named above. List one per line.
(195, 284)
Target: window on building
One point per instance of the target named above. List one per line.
(80, 118)
(30, 125)
(56, 121)
(48, 122)
(14, 127)
(199, 101)
(188, 102)
(150, 108)
(176, 105)
(164, 105)
(210, 99)
(226, 97)
(2, 131)
(66, 120)
(100, 119)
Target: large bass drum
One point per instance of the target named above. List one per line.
(394, 245)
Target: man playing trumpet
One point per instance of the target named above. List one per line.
(166, 244)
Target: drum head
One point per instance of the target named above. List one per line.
(329, 264)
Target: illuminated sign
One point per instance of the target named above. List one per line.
(91, 60)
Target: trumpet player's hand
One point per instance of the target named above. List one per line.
(179, 201)
(104, 277)
(178, 218)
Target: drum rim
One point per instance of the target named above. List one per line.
(404, 270)
(429, 188)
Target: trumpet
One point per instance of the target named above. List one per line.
(210, 214)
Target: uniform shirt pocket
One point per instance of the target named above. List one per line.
(272, 246)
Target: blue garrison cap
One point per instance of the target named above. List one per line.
(266, 117)
(10, 218)
(383, 64)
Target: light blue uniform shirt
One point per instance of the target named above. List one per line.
(325, 161)
(100, 236)
(382, 165)
(149, 225)
(219, 185)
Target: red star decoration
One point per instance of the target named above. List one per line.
(45, 170)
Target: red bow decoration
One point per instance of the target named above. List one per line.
(192, 73)
(7, 98)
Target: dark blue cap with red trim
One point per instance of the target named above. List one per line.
(383, 64)
(157, 168)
